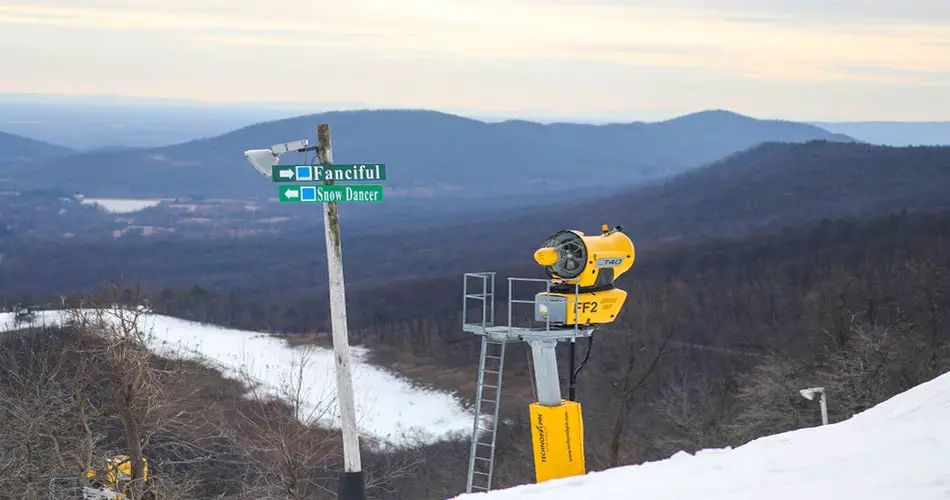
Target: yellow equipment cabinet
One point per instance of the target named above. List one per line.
(558, 436)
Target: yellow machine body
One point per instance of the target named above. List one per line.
(581, 309)
(116, 473)
(611, 250)
(583, 269)
(557, 433)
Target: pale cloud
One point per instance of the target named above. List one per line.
(840, 13)
(803, 42)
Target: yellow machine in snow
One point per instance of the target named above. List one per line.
(112, 481)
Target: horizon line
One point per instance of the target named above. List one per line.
(542, 116)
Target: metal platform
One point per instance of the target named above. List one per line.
(511, 334)
(485, 325)
(541, 337)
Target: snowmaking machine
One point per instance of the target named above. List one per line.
(112, 481)
(584, 269)
(579, 296)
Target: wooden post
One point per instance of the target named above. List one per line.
(352, 484)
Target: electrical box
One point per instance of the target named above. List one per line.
(550, 307)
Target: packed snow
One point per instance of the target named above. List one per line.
(390, 409)
(122, 206)
(896, 450)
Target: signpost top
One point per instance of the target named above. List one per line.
(320, 172)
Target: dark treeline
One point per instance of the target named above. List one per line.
(792, 262)
(809, 251)
(714, 343)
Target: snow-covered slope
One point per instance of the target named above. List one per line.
(389, 408)
(898, 450)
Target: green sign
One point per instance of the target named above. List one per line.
(339, 193)
(321, 172)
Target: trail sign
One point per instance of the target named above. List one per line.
(337, 192)
(351, 483)
(321, 172)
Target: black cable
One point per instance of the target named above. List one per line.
(572, 379)
(590, 342)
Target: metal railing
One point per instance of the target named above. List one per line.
(483, 291)
(486, 297)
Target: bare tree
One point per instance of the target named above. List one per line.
(277, 427)
(769, 401)
(931, 282)
(146, 395)
(637, 353)
(283, 431)
(99, 388)
(877, 364)
(37, 407)
(692, 410)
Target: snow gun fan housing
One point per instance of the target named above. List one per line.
(583, 270)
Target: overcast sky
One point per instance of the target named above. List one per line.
(796, 59)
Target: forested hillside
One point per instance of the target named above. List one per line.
(714, 344)
(764, 189)
(711, 349)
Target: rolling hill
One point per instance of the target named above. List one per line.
(18, 150)
(781, 185)
(764, 189)
(430, 153)
(760, 190)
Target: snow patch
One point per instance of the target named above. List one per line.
(390, 408)
(121, 206)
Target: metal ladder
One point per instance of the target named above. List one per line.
(481, 462)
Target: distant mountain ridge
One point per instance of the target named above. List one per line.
(430, 152)
(16, 149)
